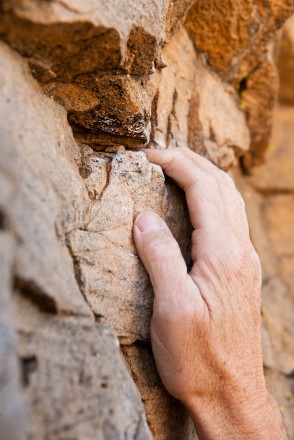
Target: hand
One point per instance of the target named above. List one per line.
(205, 328)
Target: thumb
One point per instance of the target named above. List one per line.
(160, 253)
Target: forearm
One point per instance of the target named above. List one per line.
(255, 417)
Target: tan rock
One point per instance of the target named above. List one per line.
(88, 63)
(225, 34)
(76, 384)
(277, 173)
(194, 107)
(286, 63)
(279, 215)
(47, 187)
(175, 422)
(12, 407)
(74, 258)
(122, 75)
(105, 257)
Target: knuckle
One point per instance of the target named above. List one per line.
(248, 261)
(225, 179)
(255, 264)
(240, 200)
(179, 152)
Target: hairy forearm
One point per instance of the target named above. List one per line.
(253, 417)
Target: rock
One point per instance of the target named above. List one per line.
(121, 186)
(76, 384)
(279, 210)
(194, 107)
(11, 402)
(286, 63)
(268, 194)
(74, 258)
(175, 423)
(277, 173)
(85, 54)
(48, 187)
(84, 83)
(96, 67)
(224, 35)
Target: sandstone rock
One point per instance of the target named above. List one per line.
(48, 187)
(268, 193)
(106, 261)
(74, 258)
(279, 210)
(277, 174)
(121, 75)
(76, 384)
(88, 53)
(11, 403)
(224, 34)
(85, 64)
(175, 422)
(286, 63)
(193, 107)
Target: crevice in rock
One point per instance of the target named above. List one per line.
(31, 290)
(78, 273)
(3, 220)
(29, 365)
(271, 191)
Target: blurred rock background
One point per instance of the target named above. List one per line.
(83, 87)
(269, 195)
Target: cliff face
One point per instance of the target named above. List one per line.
(84, 86)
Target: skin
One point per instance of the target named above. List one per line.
(206, 327)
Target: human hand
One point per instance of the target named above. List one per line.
(205, 328)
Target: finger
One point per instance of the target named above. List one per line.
(233, 200)
(161, 256)
(203, 194)
(211, 194)
(204, 198)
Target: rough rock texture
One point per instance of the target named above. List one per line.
(90, 58)
(236, 39)
(75, 381)
(84, 83)
(76, 261)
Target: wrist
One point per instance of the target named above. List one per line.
(243, 413)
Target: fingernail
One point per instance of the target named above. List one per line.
(149, 222)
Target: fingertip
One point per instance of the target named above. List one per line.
(148, 222)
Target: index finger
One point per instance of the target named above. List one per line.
(204, 198)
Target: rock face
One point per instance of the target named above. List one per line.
(286, 63)
(86, 85)
(269, 199)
